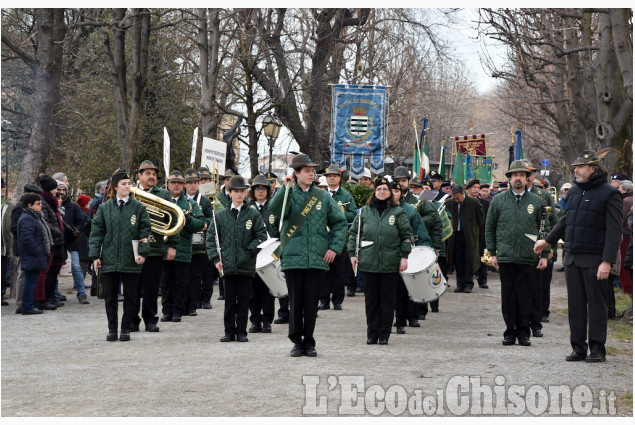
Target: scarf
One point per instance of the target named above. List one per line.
(46, 232)
(380, 205)
(52, 201)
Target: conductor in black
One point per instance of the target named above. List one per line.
(591, 229)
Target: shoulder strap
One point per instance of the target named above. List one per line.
(296, 222)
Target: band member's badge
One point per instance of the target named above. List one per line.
(133, 219)
(530, 208)
(391, 220)
(272, 218)
(248, 225)
(151, 238)
(318, 206)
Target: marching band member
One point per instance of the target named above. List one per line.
(335, 279)
(117, 223)
(262, 303)
(306, 248)
(240, 231)
(223, 194)
(402, 177)
(176, 272)
(386, 227)
(434, 225)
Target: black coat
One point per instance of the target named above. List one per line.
(472, 216)
(33, 255)
(15, 216)
(77, 218)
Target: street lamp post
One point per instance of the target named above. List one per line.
(271, 126)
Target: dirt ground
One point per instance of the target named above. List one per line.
(59, 364)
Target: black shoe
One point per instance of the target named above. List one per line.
(483, 286)
(125, 335)
(166, 318)
(324, 306)
(207, 305)
(310, 352)
(545, 319)
(46, 306)
(176, 317)
(33, 311)
(152, 327)
(227, 338)
(509, 340)
(524, 341)
(112, 336)
(414, 324)
(192, 313)
(401, 330)
(296, 351)
(371, 341)
(575, 357)
(221, 297)
(422, 317)
(383, 342)
(18, 311)
(359, 289)
(537, 333)
(467, 290)
(266, 328)
(243, 338)
(350, 293)
(255, 328)
(459, 290)
(595, 358)
(281, 320)
(134, 328)
(199, 305)
(435, 310)
(337, 306)
(61, 298)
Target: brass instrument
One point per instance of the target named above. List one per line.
(342, 206)
(554, 193)
(487, 257)
(161, 212)
(209, 190)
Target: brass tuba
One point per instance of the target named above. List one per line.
(161, 212)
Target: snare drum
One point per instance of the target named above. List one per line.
(423, 277)
(269, 271)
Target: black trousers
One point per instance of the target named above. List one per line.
(405, 308)
(334, 281)
(283, 311)
(586, 292)
(149, 282)
(481, 275)
(537, 301)
(610, 297)
(174, 281)
(51, 281)
(516, 286)
(380, 297)
(351, 279)
(304, 291)
(238, 289)
(5, 270)
(200, 285)
(546, 289)
(464, 279)
(262, 303)
(110, 282)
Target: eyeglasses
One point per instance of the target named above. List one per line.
(59, 194)
(382, 189)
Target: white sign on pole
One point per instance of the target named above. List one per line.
(214, 155)
(195, 138)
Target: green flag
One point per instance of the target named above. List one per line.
(459, 168)
(416, 164)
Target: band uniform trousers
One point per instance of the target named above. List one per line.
(110, 282)
(283, 311)
(262, 303)
(583, 289)
(304, 291)
(537, 302)
(149, 282)
(464, 279)
(174, 281)
(380, 299)
(516, 287)
(238, 289)
(405, 308)
(334, 281)
(546, 290)
(201, 280)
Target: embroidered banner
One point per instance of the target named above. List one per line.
(358, 127)
(474, 145)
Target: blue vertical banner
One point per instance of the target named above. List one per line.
(519, 144)
(358, 127)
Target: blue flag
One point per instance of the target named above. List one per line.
(358, 127)
(519, 144)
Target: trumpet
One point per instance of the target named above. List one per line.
(161, 213)
(554, 193)
(487, 257)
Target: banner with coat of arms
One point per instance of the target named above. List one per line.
(358, 127)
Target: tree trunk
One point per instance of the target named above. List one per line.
(50, 49)
(208, 47)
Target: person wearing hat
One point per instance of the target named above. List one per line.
(407, 310)
(402, 176)
(224, 196)
(160, 247)
(473, 189)
(201, 282)
(119, 221)
(204, 175)
(416, 187)
(502, 187)
(591, 229)
(564, 199)
(272, 178)
(7, 239)
(617, 178)
(511, 217)
(313, 233)
(335, 279)
(367, 179)
(467, 216)
(446, 187)
(385, 243)
(176, 272)
(240, 231)
(17, 274)
(262, 303)
(485, 192)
